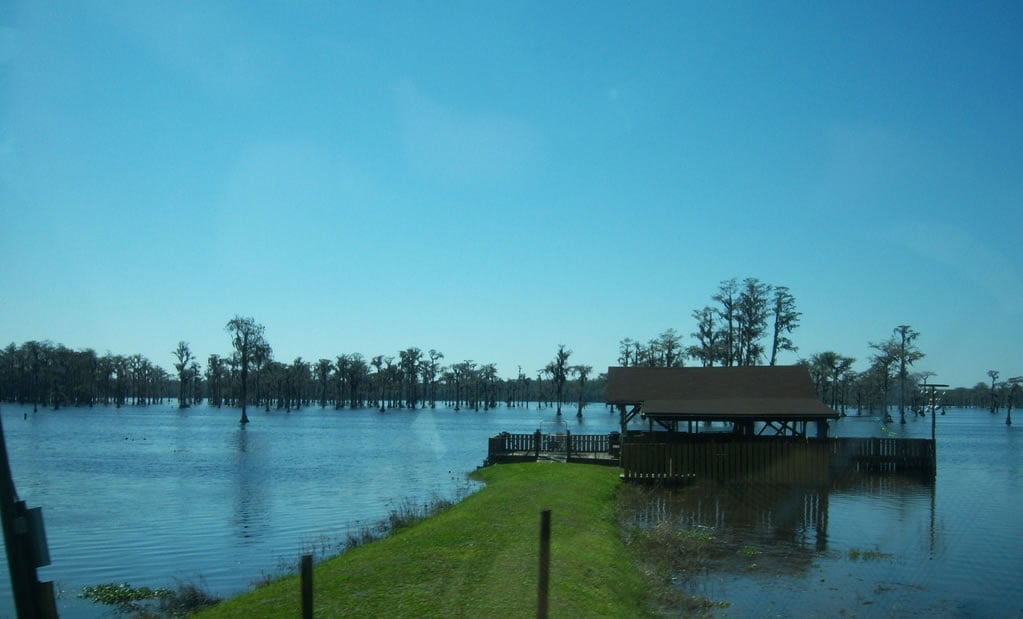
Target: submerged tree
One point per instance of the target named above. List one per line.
(993, 375)
(559, 373)
(1014, 393)
(881, 365)
(583, 372)
(246, 337)
(323, 368)
(410, 364)
(431, 370)
(908, 354)
(830, 371)
(185, 371)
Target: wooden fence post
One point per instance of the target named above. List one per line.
(545, 564)
(307, 586)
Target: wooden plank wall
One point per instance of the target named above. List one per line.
(771, 459)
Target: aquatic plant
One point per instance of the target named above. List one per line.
(121, 594)
(147, 602)
(855, 554)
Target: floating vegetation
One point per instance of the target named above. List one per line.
(148, 602)
(699, 535)
(855, 554)
(750, 551)
(122, 595)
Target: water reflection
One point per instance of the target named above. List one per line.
(784, 529)
(249, 489)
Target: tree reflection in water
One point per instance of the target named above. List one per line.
(708, 531)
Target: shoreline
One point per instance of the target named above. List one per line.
(480, 557)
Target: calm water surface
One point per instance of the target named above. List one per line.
(869, 546)
(153, 495)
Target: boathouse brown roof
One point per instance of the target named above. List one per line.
(719, 393)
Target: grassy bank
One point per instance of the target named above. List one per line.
(480, 557)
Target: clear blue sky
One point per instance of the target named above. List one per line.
(493, 179)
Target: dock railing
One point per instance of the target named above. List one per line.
(508, 447)
(664, 456)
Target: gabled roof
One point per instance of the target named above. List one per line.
(754, 392)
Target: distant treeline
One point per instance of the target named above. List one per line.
(51, 375)
(748, 323)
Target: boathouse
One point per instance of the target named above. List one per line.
(762, 424)
(748, 423)
(750, 400)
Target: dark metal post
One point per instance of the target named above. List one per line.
(536, 442)
(568, 445)
(22, 534)
(934, 422)
(307, 586)
(545, 564)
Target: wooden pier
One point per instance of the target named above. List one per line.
(682, 458)
(561, 447)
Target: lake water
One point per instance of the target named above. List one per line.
(154, 495)
(868, 545)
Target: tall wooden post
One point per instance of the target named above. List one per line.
(307, 586)
(545, 564)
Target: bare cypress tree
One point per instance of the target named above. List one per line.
(246, 336)
(583, 372)
(908, 355)
(727, 296)
(669, 348)
(786, 319)
(1014, 394)
(993, 375)
(559, 372)
(708, 338)
(184, 356)
(754, 310)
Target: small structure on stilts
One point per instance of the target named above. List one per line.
(755, 423)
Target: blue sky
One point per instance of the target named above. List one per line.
(492, 179)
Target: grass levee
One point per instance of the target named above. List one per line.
(480, 557)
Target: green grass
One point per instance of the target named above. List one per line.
(480, 557)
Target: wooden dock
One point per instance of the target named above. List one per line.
(562, 447)
(682, 458)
